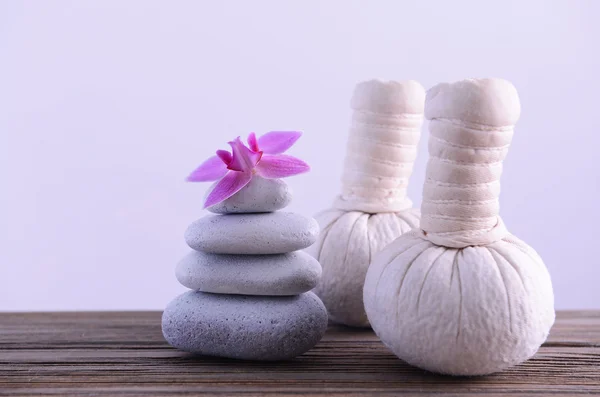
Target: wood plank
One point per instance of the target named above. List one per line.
(123, 353)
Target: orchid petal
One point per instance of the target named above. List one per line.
(276, 142)
(252, 142)
(211, 170)
(243, 159)
(232, 183)
(280, 166)
(225, 156)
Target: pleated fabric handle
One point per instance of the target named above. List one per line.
(471, 127)
(382, 146)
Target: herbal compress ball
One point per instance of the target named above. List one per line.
(461, 295)
(372, 209)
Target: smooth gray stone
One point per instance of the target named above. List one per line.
(260, 195)
(280, 274)
(244, 327)
(251, 234)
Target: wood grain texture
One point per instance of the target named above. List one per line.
(124, 354)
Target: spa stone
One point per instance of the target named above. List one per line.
(252, 234)
(282, 274)
(244, 327)
(260, 195)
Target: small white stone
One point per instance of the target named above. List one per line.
(260, 195)
(284, 274)
(252, 234)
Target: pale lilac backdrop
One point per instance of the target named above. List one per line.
(105, 106)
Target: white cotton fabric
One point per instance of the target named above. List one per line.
(346, 245)
(372, 209)
(460, 295)
(467, 311)
(471, 127)
(382, 146)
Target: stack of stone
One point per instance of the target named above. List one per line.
(249, 280)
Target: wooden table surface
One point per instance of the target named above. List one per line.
(123, 353)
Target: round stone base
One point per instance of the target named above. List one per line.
(244, 327)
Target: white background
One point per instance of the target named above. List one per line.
(106, 106)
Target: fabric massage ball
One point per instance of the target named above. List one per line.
(461, 295)
(372, 209)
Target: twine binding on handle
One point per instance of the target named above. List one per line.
(382, 146)
(460, 205)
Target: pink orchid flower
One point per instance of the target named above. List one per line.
(262, 156)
